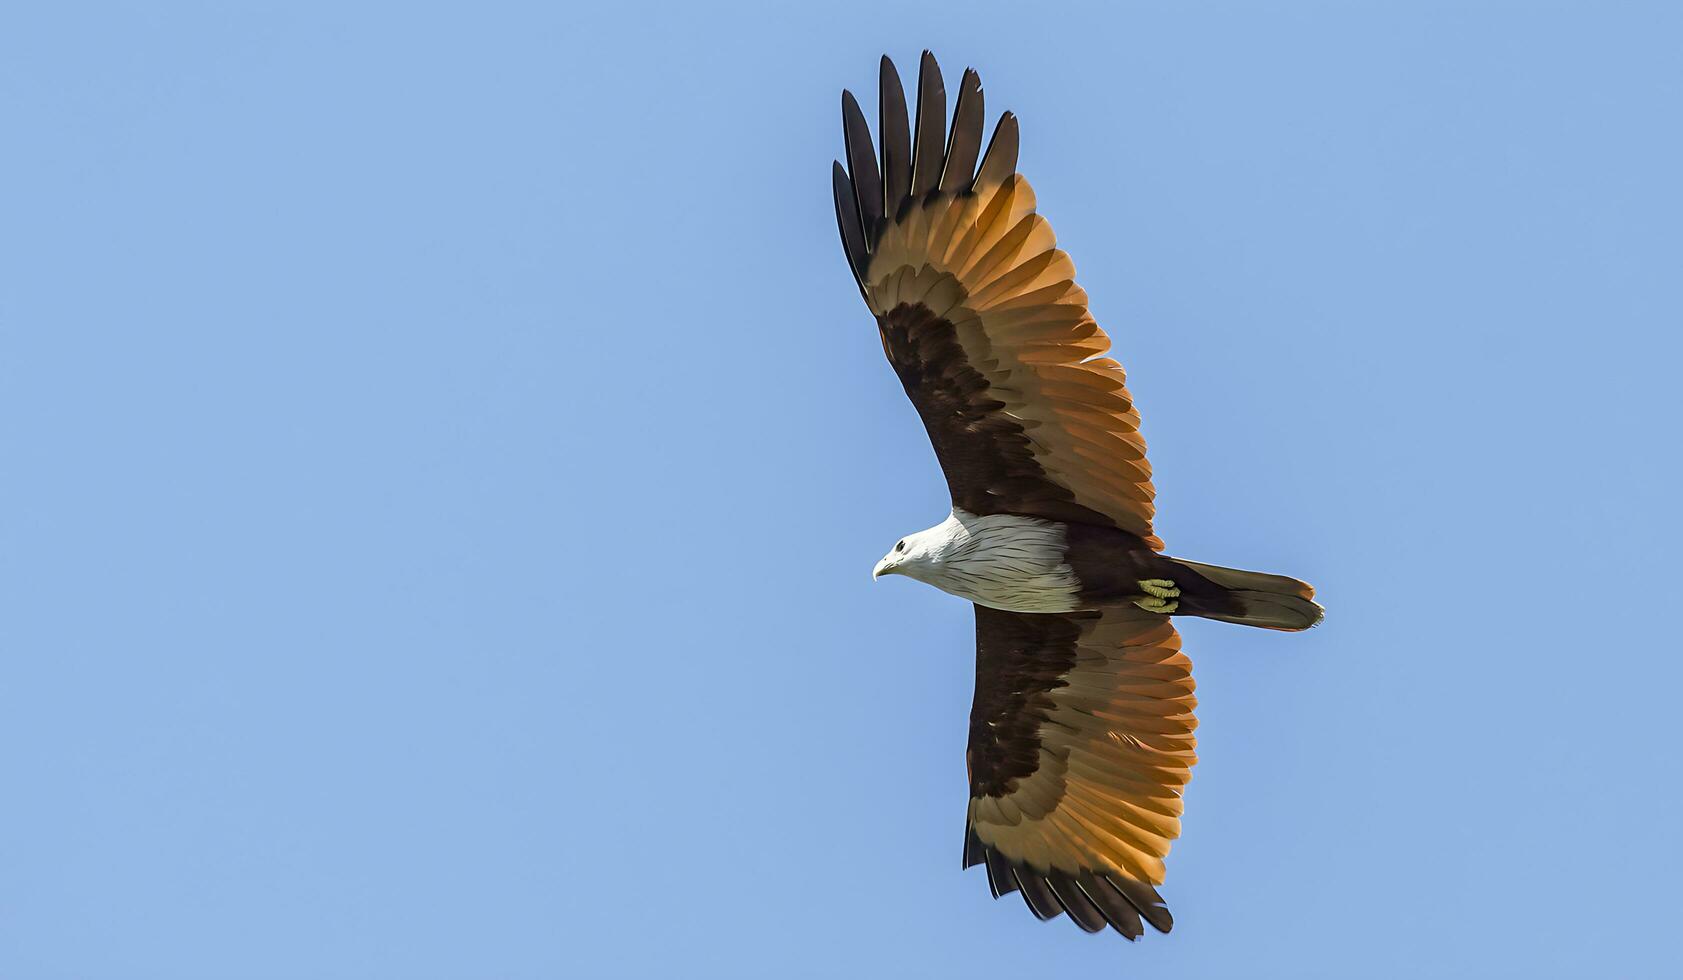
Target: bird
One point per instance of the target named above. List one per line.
(1081, 728)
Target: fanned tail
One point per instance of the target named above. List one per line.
(1253, 598)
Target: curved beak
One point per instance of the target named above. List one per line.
(883, 568)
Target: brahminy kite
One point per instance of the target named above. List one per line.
(1081, 729)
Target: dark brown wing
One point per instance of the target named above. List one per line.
(1080, 743)
(981, 317)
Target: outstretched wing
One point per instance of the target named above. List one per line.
(981, 317)
(1080, 743)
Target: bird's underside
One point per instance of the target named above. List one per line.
(1081, 729)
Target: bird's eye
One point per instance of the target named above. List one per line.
(900, 547)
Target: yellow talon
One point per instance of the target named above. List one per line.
(1158, 605)
(1162, 588)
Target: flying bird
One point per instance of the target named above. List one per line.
(1081, 729)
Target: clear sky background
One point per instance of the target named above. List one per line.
(444, 454)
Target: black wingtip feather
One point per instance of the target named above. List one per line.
(1144, 898)
(975, 852)
(1081, 909)
(930, 131)
(1000, 879)
(1037, 894)
(965, 141)
(894, 137)
(1121, 915)
(1000, 162)
(847, 219)
(862, 165)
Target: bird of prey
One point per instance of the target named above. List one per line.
(1081, 729)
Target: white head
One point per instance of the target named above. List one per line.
(918, 555)
(1006, 561)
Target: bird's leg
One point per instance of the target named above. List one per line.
(1161, 596)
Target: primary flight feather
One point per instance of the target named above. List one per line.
(1081, 730)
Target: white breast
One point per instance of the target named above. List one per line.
(1004, 561)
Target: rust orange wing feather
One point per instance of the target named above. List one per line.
(981, 318)
(1080, 743)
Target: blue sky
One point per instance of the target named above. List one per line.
(445, 454)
